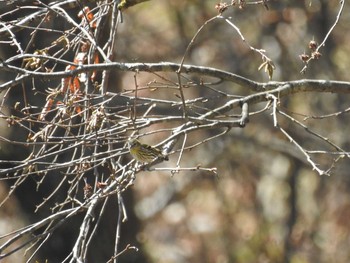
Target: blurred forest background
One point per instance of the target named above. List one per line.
(266, 204)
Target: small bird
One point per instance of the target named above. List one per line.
(145, 153)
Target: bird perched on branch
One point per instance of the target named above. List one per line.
(145, 153)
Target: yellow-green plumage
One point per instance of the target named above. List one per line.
(144, 153)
